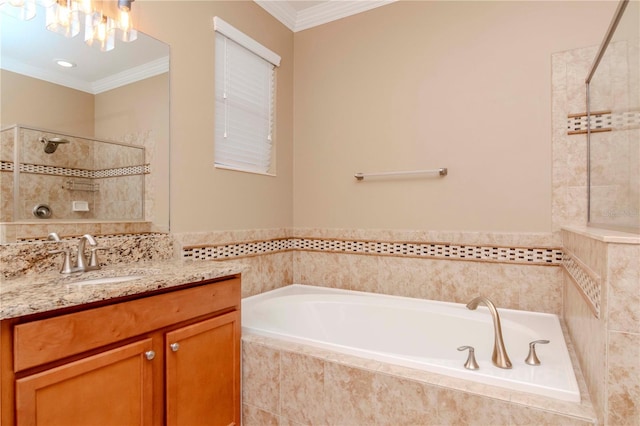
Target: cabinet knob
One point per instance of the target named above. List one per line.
(150, 355)
(175, 346)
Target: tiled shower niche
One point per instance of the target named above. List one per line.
(83, 179)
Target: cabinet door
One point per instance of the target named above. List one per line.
(203, 372)
(111, 388)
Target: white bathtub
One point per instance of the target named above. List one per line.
(417, 333)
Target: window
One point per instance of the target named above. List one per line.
(245, 102)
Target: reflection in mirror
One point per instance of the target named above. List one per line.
(77, 178)
(112, 107)
(614, 150)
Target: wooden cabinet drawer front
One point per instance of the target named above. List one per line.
(39, 342)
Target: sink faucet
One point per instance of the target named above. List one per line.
(81, 261)
(500, 358)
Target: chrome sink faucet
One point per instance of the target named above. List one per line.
(499, 358)
(81, 263)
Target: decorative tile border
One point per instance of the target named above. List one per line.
(6, 166)
(522, 255)
(91, 174)
(101, 236)
(587, 282)
(602, 121)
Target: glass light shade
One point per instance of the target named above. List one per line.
(62, 18)
(125, 25)
(21, 9)
(85, 6)
(100, 29)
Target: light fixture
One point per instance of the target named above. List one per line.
(100, 28)
(64, 63)
(63, 17)
(21, 9)
(124, 21)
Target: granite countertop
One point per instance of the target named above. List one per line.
(31, 294)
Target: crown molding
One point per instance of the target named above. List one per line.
(129, 76)
(323, 13)
(333, 10)
(281, 10)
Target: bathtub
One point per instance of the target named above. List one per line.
(417, 333)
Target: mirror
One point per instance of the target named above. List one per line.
(112, 108)
(613, 88)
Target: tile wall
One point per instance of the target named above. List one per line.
(608, 349)
(109, 177)
(608, 346)
(518, 271)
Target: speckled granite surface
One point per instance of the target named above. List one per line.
(30, 294)
(34, 258)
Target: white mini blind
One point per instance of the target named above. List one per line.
(245, 94)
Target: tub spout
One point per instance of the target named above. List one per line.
(500, 358)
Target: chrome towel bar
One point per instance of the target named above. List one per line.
(441, 171)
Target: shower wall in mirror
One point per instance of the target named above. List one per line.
(63, 177)
(613, 88)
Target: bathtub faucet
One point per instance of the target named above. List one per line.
(500, 358)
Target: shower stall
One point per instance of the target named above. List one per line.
(613, 125)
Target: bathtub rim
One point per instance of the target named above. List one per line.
(290, 290)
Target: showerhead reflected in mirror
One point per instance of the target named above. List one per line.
(50, 145)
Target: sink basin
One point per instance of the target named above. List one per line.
(107, 280)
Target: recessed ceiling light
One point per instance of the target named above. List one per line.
(65, 64)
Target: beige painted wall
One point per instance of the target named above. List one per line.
(202, 197)
(421, 85)
(34, 102)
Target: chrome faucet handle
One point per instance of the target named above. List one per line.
(471, 363)
(66, 263)
(532, 358)
(94, 263)
(53, 236)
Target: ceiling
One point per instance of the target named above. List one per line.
(300, 15)
(28, 48)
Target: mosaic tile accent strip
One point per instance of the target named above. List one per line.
(539, 256)
(122, 171)
(587, 281)
(6, 166)
(603, 121)
(228, 251)
(107, 237)
(90, 174)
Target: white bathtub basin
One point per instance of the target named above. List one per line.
(417, 333)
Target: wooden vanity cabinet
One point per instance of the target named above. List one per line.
(171, 358)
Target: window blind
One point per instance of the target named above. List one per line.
(244, 101)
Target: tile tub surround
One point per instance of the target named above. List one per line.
(31, 258)
(49, 291)
(289, 383)
(519, 271)
(607, 347)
